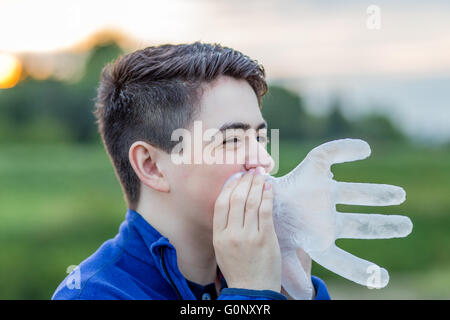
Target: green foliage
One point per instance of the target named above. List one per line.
(377, 126)
(284, 110)
(337, 125)
(48, 111)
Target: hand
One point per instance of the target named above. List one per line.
(244, 238)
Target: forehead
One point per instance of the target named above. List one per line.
(228, 100)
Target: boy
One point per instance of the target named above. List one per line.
(184, 237)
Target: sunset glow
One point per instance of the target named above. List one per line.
(10, 71)
(297, 39)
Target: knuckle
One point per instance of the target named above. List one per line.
(237, 197)
(251, 204)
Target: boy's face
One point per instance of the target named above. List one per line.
(195, 186)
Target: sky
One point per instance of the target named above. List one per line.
(392, 56)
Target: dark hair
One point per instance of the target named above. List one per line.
(145, 95)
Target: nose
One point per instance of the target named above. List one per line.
(257, 156)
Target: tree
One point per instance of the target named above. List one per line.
(337, 125)
(284, 110)
(66, 106)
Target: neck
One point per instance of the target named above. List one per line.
(193, 243)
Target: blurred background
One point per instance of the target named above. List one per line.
(379, 71)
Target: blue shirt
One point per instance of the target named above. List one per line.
(141, 264)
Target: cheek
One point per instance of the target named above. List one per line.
(217, 178)
(206, 184)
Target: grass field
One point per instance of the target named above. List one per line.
(58, 203)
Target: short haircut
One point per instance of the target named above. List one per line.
(147, 94)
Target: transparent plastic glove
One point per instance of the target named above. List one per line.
(305, 217)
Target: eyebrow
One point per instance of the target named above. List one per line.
(241, 125)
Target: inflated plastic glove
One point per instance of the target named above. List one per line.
(305, 217)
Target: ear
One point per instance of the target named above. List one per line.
(144, 158)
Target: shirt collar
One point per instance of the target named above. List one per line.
(140, 239)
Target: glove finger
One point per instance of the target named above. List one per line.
(339, 151)
(351, 267)
(371, 226)
(368, 194)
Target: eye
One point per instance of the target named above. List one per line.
(263, 139)
(231, 140)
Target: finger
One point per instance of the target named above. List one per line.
(339, 151)
(351, 267)
(265, 210)
(294, 279)
(371, 226)
(222, 204)
(237, 202)
(368, 194)
(253, 202)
